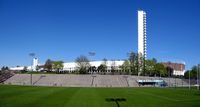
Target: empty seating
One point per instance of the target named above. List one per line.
(5, 75)
(72, 80)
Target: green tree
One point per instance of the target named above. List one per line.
(160, 69)
(134, 63)
(48, 65)
(102, 68)
(4, 68)
(25, 70)
(57, 65)
(92, 69)
(113, 67)
(186, 74)
(125, 67)
(141, 64)
(193, 73)
(150, 67)
(82, 64)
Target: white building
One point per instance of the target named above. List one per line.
(72, 66)
(18, 68)
(33, 67)
(142, 49)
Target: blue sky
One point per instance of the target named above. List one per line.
(65, 29)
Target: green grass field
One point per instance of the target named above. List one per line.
(27, 96)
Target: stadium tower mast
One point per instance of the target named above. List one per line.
(142, 49)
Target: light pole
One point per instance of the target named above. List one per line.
(92, 53)
(31, 55)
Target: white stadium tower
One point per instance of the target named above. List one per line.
(142, 49)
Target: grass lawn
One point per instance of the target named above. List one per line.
(27, 96)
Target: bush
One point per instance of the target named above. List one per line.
(23, 71)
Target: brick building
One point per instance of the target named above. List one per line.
(177, 68)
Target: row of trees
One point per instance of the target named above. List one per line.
(193, 72)
(83, 65)
(135, 64)
(4, 68)
(53, 65)
(138, 66)
(155, 68)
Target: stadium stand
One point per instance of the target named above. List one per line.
(72, 80)
(4, 75)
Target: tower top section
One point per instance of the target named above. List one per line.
(142, 33)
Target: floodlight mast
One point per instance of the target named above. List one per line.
(31, 55)
(91, 53)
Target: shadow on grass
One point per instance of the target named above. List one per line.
(116, 100)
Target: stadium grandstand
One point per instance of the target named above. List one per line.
(75, 80)
(4, 75)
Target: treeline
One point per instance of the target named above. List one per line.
(5, 68)
(83, 66)
(53, 65)
(194, 73)
(134, 65)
